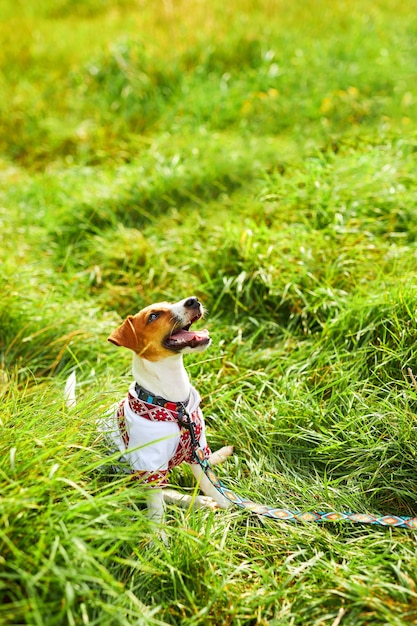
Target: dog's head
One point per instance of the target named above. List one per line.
(162, 330)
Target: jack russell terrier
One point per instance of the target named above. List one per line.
(146, 427)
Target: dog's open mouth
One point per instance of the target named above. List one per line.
(183, 337)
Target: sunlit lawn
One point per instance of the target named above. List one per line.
(261, 155)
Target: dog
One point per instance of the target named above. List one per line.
(145, 426)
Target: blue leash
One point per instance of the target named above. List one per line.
(285, 514)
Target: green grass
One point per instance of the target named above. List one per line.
(262, 156)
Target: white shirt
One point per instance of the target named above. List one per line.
(152, 446)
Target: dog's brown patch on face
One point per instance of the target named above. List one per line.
(145, 332)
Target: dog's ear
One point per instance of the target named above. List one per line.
(125, 335)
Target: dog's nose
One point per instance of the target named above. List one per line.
(192, 303)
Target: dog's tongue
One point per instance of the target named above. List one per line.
(189, 336)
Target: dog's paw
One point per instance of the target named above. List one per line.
(227, 451)
(205, 502)
(221, 455)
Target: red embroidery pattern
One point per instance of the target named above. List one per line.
(122, 423)
(158, 478)
(152, 412)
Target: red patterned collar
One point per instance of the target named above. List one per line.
(151, 411)
(148, 398)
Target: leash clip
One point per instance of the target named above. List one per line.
(184, 420)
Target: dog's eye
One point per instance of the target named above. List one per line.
(153, 316)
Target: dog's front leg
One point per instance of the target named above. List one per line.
(156, 510)
(155, 504)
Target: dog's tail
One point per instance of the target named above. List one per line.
(69, 393)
